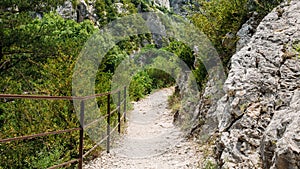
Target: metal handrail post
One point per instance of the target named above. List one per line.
(80, 160)
(108, 124)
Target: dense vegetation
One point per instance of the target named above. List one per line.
(220, 20)
(37, 56)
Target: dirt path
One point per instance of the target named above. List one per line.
(151, 141)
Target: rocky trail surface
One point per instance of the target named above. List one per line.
(151, 140)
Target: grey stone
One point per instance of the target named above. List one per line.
(67, 10)
(247, 30)
(259, 122)
(256, 122)
(280, 146)
(78, 13)
(162, 3)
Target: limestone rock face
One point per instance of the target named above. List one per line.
(162, 3)
(180, 6)
(67, 11)
(257, 120)
(280, 146)
(259, 116)
(78, 12)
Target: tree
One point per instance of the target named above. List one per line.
(38, 58)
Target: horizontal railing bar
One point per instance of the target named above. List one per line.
(95, 121)
(63, 164)
(96, 95)
(114, 128)
(44, 97)
(99, 119)
(40, 97)
(90, 150)
(101, 141)
(102, 94)
(122, 116)
(122, 102)
(112, 92)
(38, 135)
(113, 111)
(102, 117)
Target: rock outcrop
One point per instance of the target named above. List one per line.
(280, 145)
(247, 31)
(78, 12)
(181, 7)
(67, 11)
(162, 3)
(256, 124)
(259, 117)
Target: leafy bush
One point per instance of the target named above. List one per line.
(263, 7)
(182, 51)
(217, 18)
(140, 85)
(38, 58)
(160, 79)
(107, 10)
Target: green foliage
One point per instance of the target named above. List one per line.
(210, 165)
(140, 85)
(265, 6)
(45, 159)
(146, 81)
(25, 117)
(160, 79)
(182, 51)
(296, 46)
(38, 58)
(200, 74)
(112, 59)
(108, 10)
(221, 19)
(43, 56)
(217, 18)
(29, 5)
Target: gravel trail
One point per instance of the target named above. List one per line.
(151, 140)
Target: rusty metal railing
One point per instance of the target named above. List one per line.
(82, 127)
